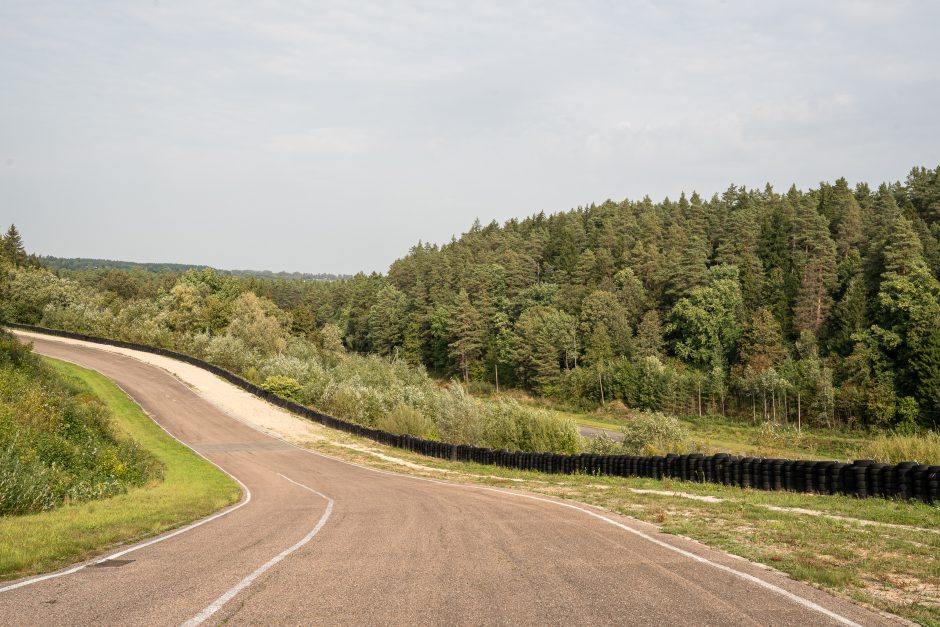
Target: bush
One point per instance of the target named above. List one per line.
(460, 419)
(615, 410)
(405, 420)
(286, 366)
(229, 352)
(603, 444)
(357, 402)
(654, 434)
(285, 387)
(540, 431)
(772, 435)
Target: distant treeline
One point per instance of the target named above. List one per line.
(81, 263)
(820, 305)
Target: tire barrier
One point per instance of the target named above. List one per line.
(862, 478)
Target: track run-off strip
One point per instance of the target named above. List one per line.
(216, 605)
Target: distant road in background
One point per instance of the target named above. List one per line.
(593, 432)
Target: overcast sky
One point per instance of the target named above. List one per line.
(331, 137)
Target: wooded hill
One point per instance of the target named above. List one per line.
(818, 306)
(823, 303)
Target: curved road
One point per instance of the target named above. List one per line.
(321, 541)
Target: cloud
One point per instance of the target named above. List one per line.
(326, 136)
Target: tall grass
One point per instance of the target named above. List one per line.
(892, 448)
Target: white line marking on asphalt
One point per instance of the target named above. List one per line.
(136, 547)
(244, 583)
(698, 558)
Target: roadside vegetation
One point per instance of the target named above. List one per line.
(57, 443)
(84, 469)
(714, 434)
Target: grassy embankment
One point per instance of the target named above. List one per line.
(190, 489)
(880, 552)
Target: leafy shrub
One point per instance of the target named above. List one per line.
(29, 293)
(540, 431)
(286, 366)
(654, 434)
(229, 352)
(285, 387)
(196, 345)
(405, 420)
(460, 418)
(603, 444)
(140, 321)
(616, 410)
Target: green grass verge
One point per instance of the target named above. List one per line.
(191, 489)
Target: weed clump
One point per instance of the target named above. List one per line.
(892, 448)
(771, 436)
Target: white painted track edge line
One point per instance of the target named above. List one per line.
(246, 498)
(698, 558)
(216, 605)
(747, 577)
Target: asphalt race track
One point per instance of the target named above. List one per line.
(320, 541)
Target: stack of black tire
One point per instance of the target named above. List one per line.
(862, 478)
